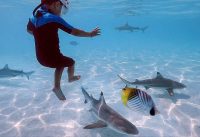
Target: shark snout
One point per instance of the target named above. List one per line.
(132, 130)
(184, 86)
(126, 127)
(180, 85)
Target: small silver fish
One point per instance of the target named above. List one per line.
(73, 43)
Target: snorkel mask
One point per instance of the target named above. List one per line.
(65, 5)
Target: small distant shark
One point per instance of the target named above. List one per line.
(130, 28)
(107, 116)
(7, 72)
(158, 82)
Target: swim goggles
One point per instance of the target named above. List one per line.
(65, 6)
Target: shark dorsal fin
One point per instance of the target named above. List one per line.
(101, 99)
(159, 75)
(6, 66)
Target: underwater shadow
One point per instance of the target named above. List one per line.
(6, 83)
(107, 132)
(173, 98)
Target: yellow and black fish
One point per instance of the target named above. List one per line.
(138, 100)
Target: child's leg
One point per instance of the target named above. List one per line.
(57, 90)
(57, 77)
(71, 76)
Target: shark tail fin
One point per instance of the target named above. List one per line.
(28, 74)
(124, 80)
(143, 29)
(86, 95)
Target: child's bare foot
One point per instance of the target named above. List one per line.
(59, 93)
(74, 78)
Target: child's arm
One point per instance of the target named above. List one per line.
(63, 25)
(81, 33)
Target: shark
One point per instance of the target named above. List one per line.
(7, 72)
(107, 116)
(159, 82)
(130, 28)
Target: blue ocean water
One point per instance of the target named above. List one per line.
(170, 45)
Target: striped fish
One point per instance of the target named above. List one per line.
(138, 100)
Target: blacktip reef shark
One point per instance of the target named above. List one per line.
(158, 82)
(7, 72)
(130, 28)
(107, 116)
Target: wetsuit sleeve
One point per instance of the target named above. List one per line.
(30, 26)
(50, 18)
(63, 25)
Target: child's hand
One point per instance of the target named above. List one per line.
(95, 32)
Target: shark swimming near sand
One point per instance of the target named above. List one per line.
(6, 72)
(158, 82)
(130, 28)
(107, 116)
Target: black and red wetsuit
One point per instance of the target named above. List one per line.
(44, 26)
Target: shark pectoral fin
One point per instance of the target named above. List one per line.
(98, 124)
(28, 74)
(170, 91)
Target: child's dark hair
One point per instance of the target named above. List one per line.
(48, 2)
